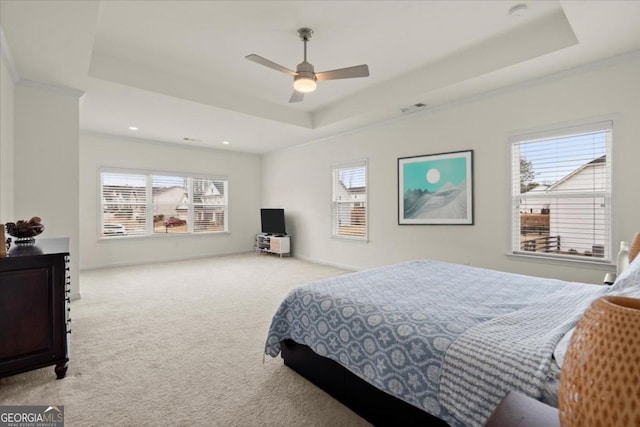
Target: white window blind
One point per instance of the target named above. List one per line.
(135, 204)
(349, 201)
(124, 204)
(170, 196)
(561, 193)
(210, 204)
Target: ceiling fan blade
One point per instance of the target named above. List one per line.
(264, 61)
(296, 96)
(344, 73)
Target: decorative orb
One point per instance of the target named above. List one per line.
(600, 377)
(634, 248)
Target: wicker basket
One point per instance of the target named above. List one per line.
(634, 247)
(600, 378)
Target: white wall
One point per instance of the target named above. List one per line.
(46, 162)
(242, 170)
(299, 179)
(6, 141)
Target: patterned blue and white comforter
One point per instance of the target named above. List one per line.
(434, 334)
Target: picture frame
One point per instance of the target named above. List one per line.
(436, 189)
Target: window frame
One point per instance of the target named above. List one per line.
(335, 168)
(605, 125)
(150, 205)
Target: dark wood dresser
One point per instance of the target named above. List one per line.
(34, 307)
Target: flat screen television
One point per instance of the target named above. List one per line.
(272, 221)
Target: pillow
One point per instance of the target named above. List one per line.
(626, 285)
(629, 292)
(629, 278)
(632, 291)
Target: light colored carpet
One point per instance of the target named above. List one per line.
(181, 344)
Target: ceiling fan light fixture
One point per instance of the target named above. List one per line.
(304, 84)
(304, 78)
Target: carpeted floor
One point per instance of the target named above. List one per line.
(181, 344)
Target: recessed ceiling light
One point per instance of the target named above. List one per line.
(226, 142)
(133, 128)
(518, 10)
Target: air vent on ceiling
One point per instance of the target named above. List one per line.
(186, 139)
(413, 108)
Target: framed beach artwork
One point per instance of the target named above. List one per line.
(436, 189)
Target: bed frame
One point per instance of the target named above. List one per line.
(371, 403)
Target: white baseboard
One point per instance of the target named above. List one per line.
(329, 263)
(157, 261)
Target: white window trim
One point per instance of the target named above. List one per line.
(150, 233)
(343, 165)
(560, 130)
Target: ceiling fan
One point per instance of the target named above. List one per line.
(304, 78)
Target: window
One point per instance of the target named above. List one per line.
(561, 193)
(349, 201)
(170, 200)
(209, 204)
(138, 204)
(124, 204)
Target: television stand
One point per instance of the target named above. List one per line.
(273, 244)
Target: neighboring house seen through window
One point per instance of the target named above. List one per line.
(138, 204)
(349, 200)
(561, 193)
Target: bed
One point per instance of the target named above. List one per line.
(427, 342)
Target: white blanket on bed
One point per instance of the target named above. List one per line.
(509, 352)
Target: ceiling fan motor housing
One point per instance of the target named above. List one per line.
(305, 70)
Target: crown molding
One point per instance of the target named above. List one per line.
(51, 88)
(5, 53)
(7, 58)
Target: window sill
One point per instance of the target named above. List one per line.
(351, 239)
(604, 265)
(160, 236)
